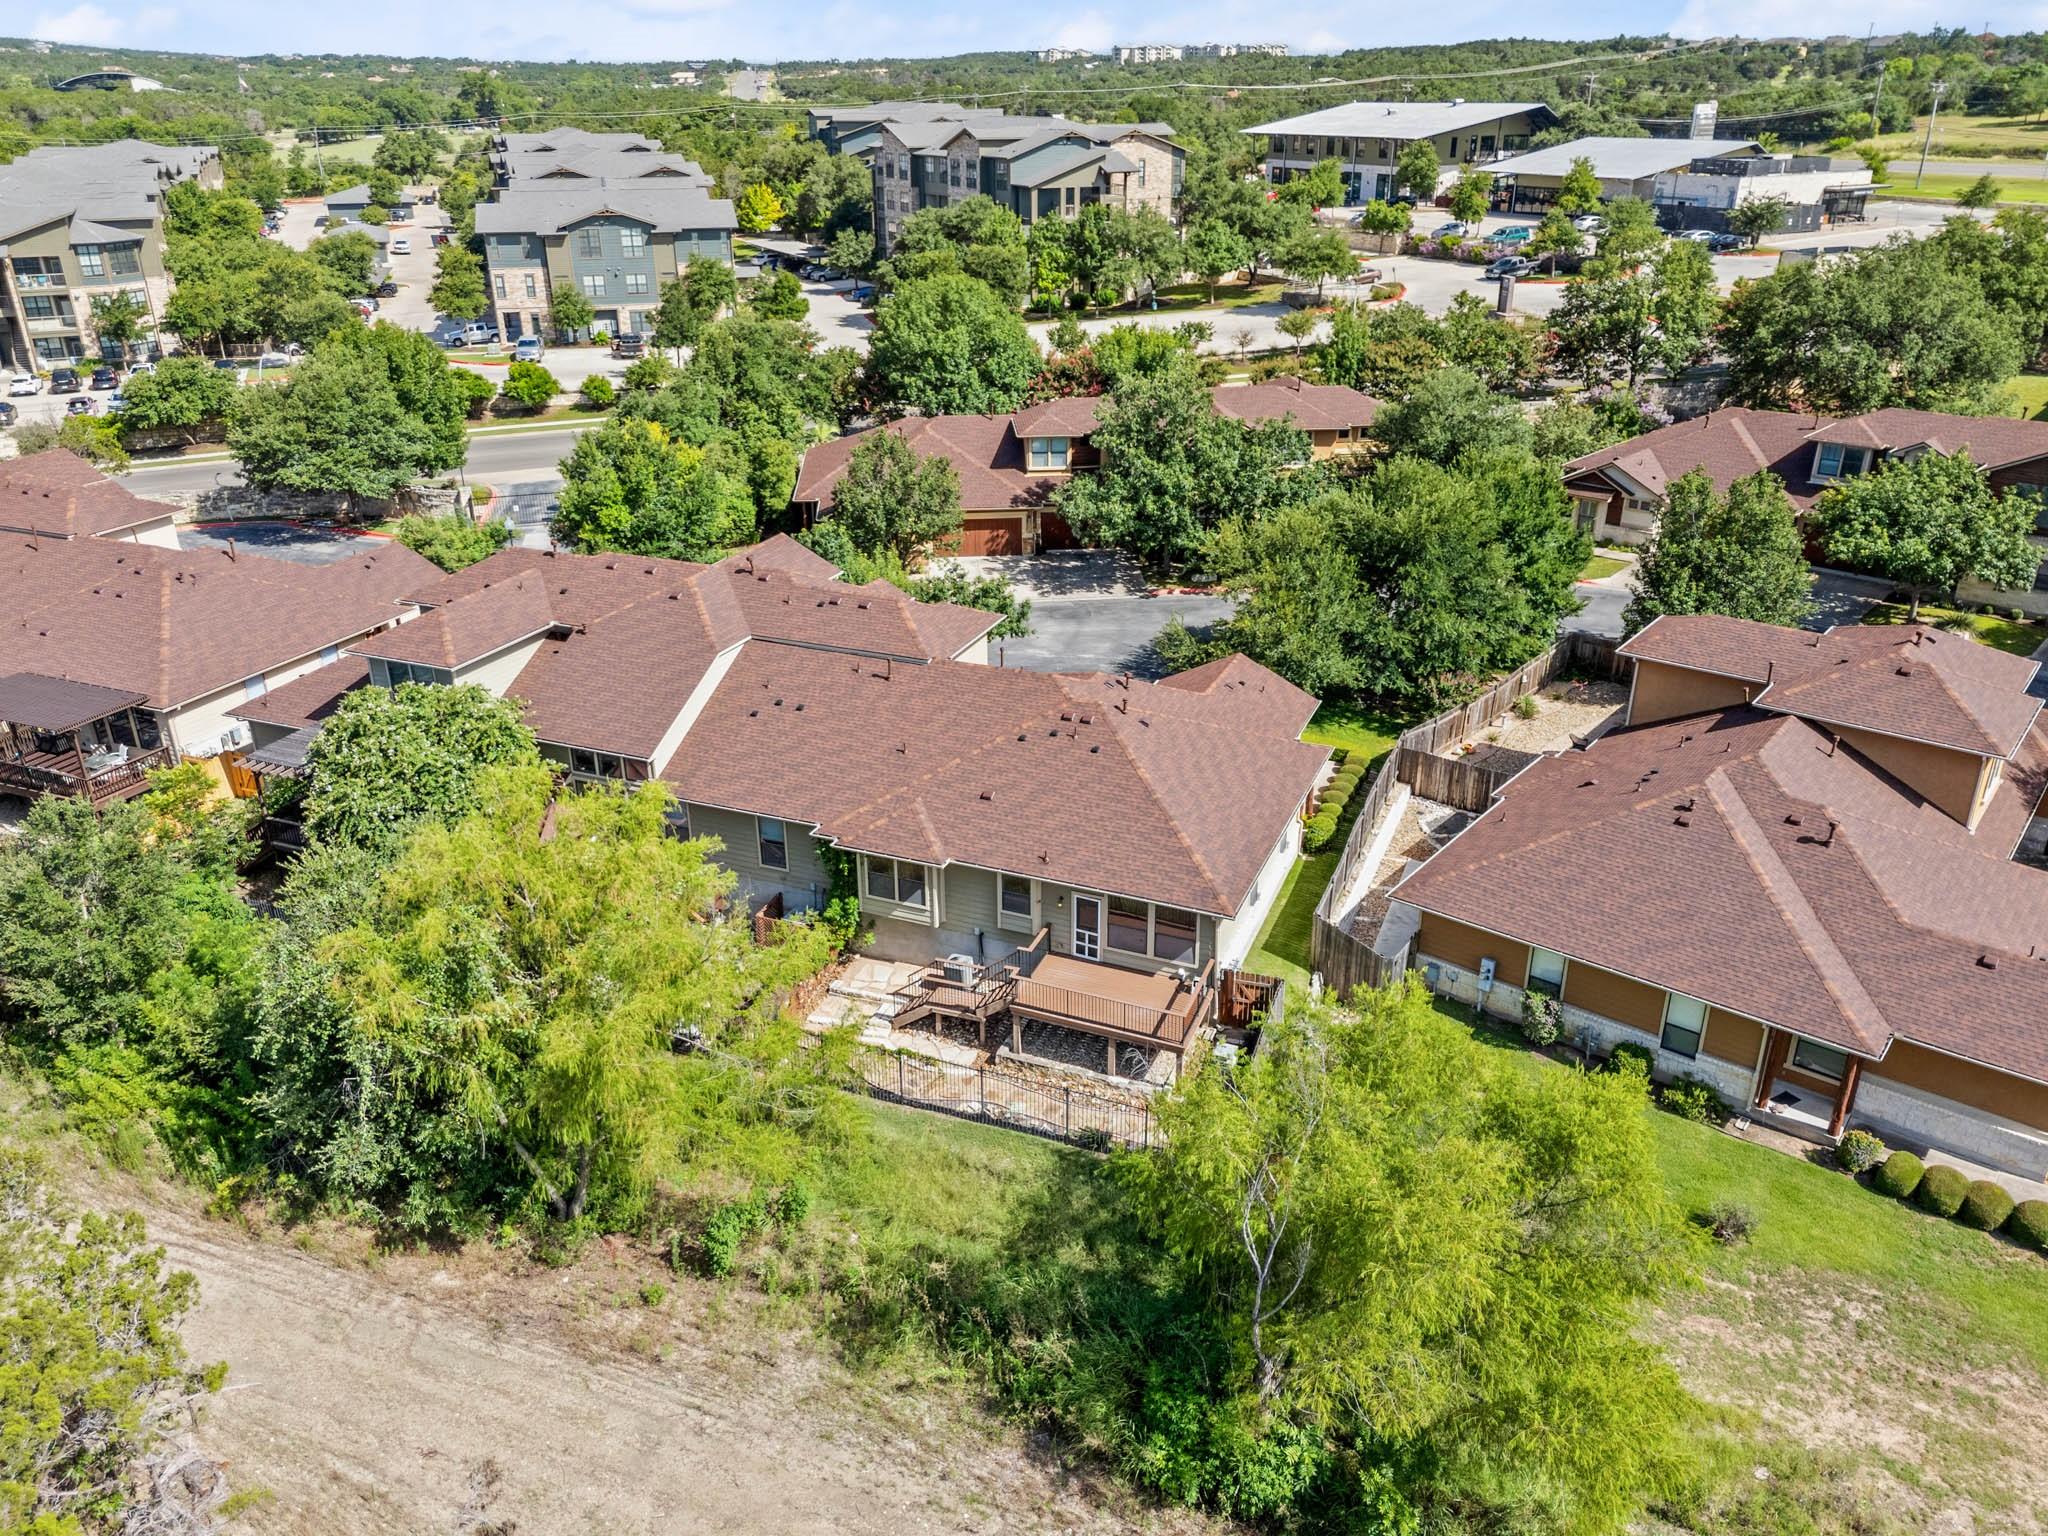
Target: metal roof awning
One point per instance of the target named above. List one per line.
(285, 757)
(44, 703)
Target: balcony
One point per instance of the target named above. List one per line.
(60, 737)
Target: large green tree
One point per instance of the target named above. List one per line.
(458, 291)
(1384, 1219)
(1449, 413)
(631, 486)
(389, 759)
(890, 499)
(181, 394)
(1739, 554)
(1929, 523)
(949, 345)
(1416, 169)
(1172, 468)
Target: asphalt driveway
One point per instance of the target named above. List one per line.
(1091, 611)
(301, 543)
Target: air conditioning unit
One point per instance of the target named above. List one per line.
(962, 970)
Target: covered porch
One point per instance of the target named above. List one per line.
(63, 737)
(1805, 1088)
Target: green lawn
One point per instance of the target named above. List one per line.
(2030, 395)
(1962, 136)
(1946, 189)
(2000, 634)
(1602, 565)
(1282, 948)
(1228, 295)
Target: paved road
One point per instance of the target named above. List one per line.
(279, 541)
(1091, 611)
(2036, 169)
(496, 459)
(1838, 598)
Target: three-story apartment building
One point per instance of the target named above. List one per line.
(1366, 139)
(78, 223)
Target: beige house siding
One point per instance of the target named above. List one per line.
(1235, 935)
(1948, 778)
(1662, 692)
(1614, 997)
(803, 885)
(499, 670)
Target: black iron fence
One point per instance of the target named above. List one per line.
(1014, 1100)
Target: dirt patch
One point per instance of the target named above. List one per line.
(1563, 711)
(476, 1391)
(1938, 1444)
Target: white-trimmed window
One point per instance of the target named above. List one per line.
(636, 282)
(593, 285)
(1013, 901)
(589, 243)
(91, 260)
(773, 840)
(531, 291)
(897, 880)
(254, 687)
(1820, 1060)
(1839, 461)
(632, 242)
(389, 674)
(1048, 453)
(1546, 972)
(1685, 1024)
(498, 284)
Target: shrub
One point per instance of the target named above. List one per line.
(597, 391)
(1691, 1099)
(1942, 1190)
(1985, 1206)
(1321, 828)
(1381, 292)
(1899, 1175)
(793, 1204)
(1525, 707)
(650, 371)
(1731, 1224)
(1859, 1152)
(652, 1293)
(1630, 1057)
(1541, 1018)
(2017, 615)
(2029, 1224)
(727, 1231)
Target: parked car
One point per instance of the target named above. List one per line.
(430, 197)
(116, 401)
(1367, 276)
(401, 246)
(78, 405)
(527, 349)
(274, 360)
(1723, 242)
(24, 384)
(1509, 266)
(365, 306)
(1449, 231)
(8, 414)
(105, 378)
(1694, 236)
(1514, 234)
(440, 237)
(63, 380)
(142, 367)
(386, 290)
(479, 334)
(1589, 224)
(629, 344)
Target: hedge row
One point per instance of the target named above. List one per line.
(1946, 1191)
(1322, 827)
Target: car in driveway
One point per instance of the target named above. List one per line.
(1509, 266)
(629, 344)
(105, 378)
(78, 405)
(1724, 242)
(401, 246)
(24, 384)
(528, 349)
(63, 380)
(1589, 224)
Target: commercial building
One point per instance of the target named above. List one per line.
(77, 224)
(1692, 183)
(1366, 139)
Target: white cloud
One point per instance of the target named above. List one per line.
(1090, 30)
(85, 23)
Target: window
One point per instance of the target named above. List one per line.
(585, 764)
(126, 259)
(636, 282)
(1546, 972)
(1014, 901)
(1128, 924)
(675, 821)
(774, 841)
(498, 284)
(593, 284)
(38, 306)
(897, 881)
(589, 242)
(91, 260)
(1174, 935)
(1141, 171)
(1820, 1060)
(1685, 1020)
(633, 242)
(330, 653)
(1048, 453)
(531, 291)
(1838, 461)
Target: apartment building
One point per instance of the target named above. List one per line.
(612, 215)
(1148, 53)
(1366, 139)
(79, 223)
(930, 155)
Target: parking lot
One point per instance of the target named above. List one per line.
(301, 543)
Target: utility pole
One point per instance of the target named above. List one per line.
(1933, 111)
(1877, 100)
(1590, 79)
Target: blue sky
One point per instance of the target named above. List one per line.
(767, 29)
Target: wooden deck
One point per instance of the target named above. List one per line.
(1136, 1006)
(57, 773)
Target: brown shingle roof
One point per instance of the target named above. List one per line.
(1728, 444)
(306, 700)
(1069, 416)
(1991, 441)
(58, 703)
(1911, 680)
(1170, 795)
(56, 492)
(986, 456)
(1745, 859)
(175, 625)
(470, 625)
(1314, 407)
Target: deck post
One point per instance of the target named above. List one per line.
(1110, 1046)
(1016, 1035)
(1845, 1095)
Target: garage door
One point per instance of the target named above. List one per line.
(993, 536)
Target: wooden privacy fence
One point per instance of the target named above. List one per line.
(1012, 1100)
(1342, 959)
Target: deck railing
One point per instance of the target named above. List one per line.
(1169, 1024)
(97, 785)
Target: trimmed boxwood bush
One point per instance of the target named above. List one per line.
(1942, 1190)
(1899, 1175)
(2029, 1224)
(1691, 1099)
(1321, 828)
(1858, 1152)
(1630, 1057)
(1985, 1206)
